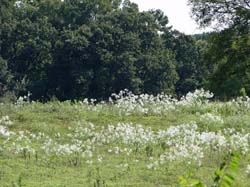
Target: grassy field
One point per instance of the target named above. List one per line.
(130, 141)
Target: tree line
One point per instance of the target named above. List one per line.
(74, 49)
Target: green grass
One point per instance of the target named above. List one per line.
(51, 118)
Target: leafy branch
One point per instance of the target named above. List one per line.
(224, 176)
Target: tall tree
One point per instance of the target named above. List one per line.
(189, 60)
(223, 12)
(86, 48)
(228, 49)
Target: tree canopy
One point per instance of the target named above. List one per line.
(222, 12)
(228, 49)
(74, 49)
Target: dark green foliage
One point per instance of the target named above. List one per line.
(224, 176)
(5, 76)
(227, 54)
(73, 49)
(189, 60)
(76, 49)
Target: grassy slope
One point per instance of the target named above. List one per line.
(55, 172)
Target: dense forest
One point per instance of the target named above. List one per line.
(74, 49)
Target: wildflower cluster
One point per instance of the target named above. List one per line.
(242, 102)
(198, 97)
(183, 143)
(125, 146)
(128, 103)
(4, 132)
(211, 118)
(23, 100)
(5, 121)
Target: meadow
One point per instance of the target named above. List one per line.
(129, 141)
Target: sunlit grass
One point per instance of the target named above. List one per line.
(84, 144)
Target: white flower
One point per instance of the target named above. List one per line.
(248, 169)
(211, 118)
(99, 158)
(5, 120)
(90, 162)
